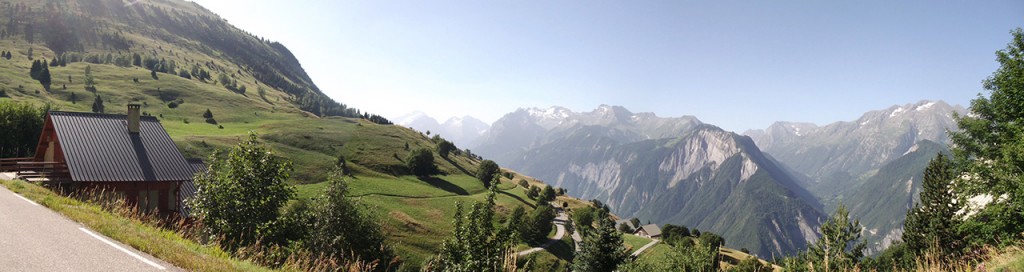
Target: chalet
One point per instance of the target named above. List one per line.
(649, 231)
(131, 155)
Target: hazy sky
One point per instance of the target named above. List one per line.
(736, 64)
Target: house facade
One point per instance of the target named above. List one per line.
(650, 231)
(130, 155)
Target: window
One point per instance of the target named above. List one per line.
(172, 198)
(154, 200)
(148, 200)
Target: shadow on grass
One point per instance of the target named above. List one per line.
(458, 166)
(444, 185)
(528, 203)
(562, 249)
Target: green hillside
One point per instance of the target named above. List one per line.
(290, 114)
(888, 194)
(763, 210)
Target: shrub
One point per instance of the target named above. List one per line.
(240, 197)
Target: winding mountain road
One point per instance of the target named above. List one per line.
(34, 238)
(559, 222)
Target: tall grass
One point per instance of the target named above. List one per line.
(179, 241)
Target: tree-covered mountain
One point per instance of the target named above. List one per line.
(665, 170)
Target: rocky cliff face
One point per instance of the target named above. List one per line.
(667, 170)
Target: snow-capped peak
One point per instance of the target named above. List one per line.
(925, 106)
(549, 113)
(897, 112)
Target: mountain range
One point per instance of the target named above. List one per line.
(765, 190)
(872, 164)
(664, 170)
(462, 131)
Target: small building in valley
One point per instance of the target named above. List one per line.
(129, 155)
(650, 231)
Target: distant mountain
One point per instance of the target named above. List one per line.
(872, 164)
(882, 199)
(665, 170)
(462, 131)
(834, 154)
(526, 128)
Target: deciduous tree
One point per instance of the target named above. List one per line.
(486, 172)
(990, 147)
(240, 197)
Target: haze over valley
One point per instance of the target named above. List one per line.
(213, 135)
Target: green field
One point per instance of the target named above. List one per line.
(634, 242)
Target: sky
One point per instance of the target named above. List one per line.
(736, 64)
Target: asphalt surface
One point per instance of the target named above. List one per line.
(34, 238)
(645, 247)
(559, 233)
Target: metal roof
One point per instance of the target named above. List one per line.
(188, 188)
(652, 230)
(98, 147)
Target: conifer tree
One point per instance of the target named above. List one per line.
(601, 249)
(44, 77)
(932, 223)
(33, 72)
(97, 105)
(838, 248)
(89, 81)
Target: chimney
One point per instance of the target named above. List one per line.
(133, 118)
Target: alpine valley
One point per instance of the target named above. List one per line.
(764, 190)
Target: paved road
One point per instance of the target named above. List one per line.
(559, 233)
(645, 247)
(34, 238)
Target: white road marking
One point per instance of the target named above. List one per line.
(129, 252)
(25, 199)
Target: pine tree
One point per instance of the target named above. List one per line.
(89, 81)
(838, 248)
(932, 223)
(33, 72)
(97, 105)
(44, 77)
(601, 249)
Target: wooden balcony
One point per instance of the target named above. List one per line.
(46, 172)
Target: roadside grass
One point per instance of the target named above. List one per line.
(165, 244)
(1010, 259)
(556, 257)
(634, 242)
